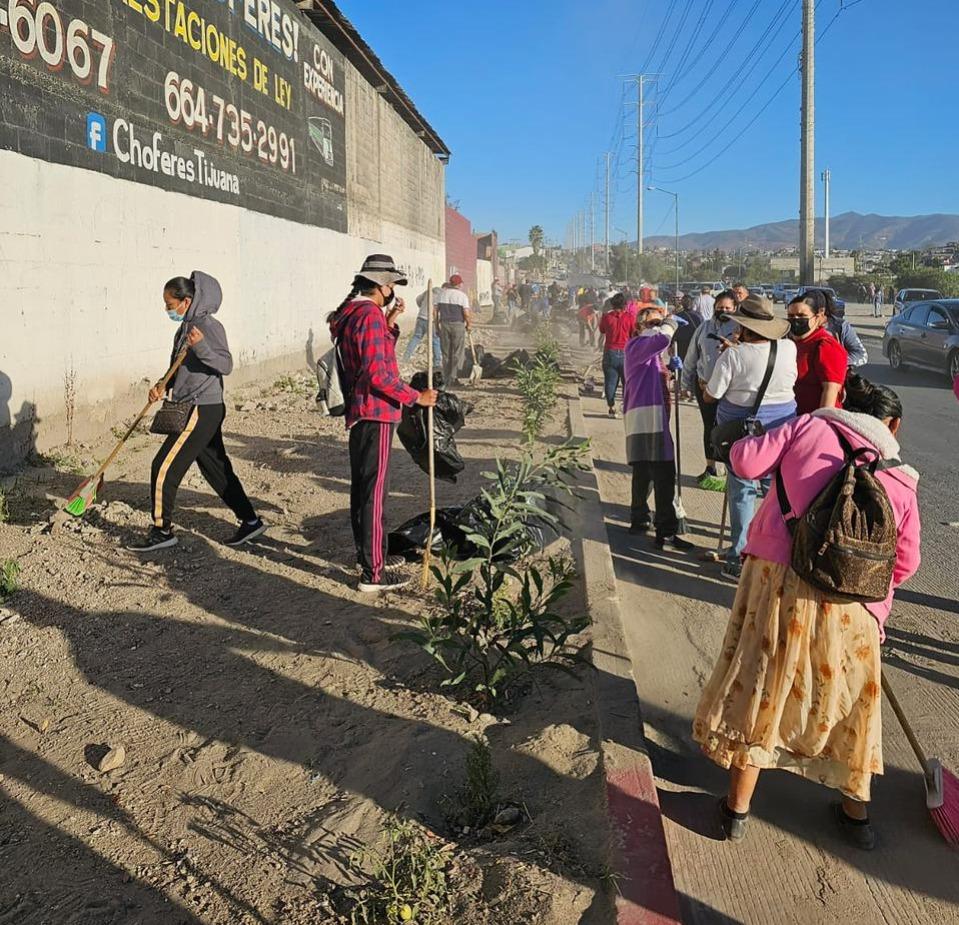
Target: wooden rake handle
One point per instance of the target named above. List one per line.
(906, 728)
(163, 383)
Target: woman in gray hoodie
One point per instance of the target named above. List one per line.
(191, 303)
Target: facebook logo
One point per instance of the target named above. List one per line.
(96, 132)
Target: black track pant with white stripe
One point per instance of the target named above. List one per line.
(370, 443)
(201, 442)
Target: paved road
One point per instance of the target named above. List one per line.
(792, 868)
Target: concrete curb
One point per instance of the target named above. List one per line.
(640, 858)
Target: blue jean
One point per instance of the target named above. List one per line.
(419, 332)
(743, 497)
(613, 361)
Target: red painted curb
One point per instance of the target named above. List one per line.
(639, 854)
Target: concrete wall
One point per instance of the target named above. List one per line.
(83, 258)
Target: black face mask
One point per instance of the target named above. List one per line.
(799, 327)
(723, 317)
(388, 301)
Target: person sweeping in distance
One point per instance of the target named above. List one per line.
(797, 683)
(365, 332)
(649, 443)
(192, 303)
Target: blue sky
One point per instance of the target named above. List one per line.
(526, 95)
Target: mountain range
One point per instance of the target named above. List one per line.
(848, 231)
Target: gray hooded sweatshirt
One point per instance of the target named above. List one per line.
(200, 378)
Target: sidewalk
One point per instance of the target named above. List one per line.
(792, 867)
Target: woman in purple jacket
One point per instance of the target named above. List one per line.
(649, 444)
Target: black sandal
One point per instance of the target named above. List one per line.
(733, 824)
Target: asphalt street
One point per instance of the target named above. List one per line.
(793, 867)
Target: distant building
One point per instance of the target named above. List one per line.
(834, 266)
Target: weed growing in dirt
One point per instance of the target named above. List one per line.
(4, 507)
(407, 879)
(63, 462)
(9, 575)
(70, 400)
(295, 384)
(497, 616)
(474, 804)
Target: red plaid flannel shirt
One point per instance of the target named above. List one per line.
(368, 354)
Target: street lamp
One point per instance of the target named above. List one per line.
(675, 196)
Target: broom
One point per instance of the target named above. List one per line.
(678, 508)
(428, 550)
(84, 497)
(942, 786)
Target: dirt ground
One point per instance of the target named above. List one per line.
(270, 720)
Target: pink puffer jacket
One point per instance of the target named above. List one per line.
(808, 454)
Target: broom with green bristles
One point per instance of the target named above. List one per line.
(86, 494)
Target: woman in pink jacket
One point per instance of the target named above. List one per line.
(797, 685)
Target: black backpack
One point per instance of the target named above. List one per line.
(845, 544)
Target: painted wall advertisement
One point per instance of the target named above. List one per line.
(237, 101)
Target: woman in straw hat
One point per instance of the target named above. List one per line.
(734, 383)
(365, 331)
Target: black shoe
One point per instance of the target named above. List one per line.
(611, 411)
(155, 539)
(733, 824)
(246, 532)
(858, 832)
(390, 563)
(732, 571)
(640, 526)
(389, 581)
(677, 542)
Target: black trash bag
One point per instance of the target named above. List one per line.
(419, 380)
(467, 368)
(449, 415)
(453, 524)
(491, 366)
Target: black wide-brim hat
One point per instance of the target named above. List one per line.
(380, 269)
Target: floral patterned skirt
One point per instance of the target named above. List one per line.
(797, 685)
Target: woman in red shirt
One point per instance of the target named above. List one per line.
(821, 361)
(615, 327)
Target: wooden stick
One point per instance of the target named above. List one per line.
(427, 552)
(177, 363)
(906, 728)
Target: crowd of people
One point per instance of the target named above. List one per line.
(796, 684)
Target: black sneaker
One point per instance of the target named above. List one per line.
(246, 532)
(611, 411)
(858, 832)
(733, 824)
(640, 526)
(677, 542)
(390, 580)
(155, 539)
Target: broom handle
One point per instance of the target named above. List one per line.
(679, 465)
(177, 363)
(906, 728)
(469, 334)
(722, 522)
(427, 552)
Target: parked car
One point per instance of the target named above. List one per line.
(925, 334)
(906, 297)
(757, 290)
(789, 293)
(779, 292)
(840, 303)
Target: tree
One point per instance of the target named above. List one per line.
(929, 278)
(536, 238)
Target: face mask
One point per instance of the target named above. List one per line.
(388, 300)
(723, 317)
(174, 315)
(799, 327)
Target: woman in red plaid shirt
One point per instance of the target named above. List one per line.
(365, 332)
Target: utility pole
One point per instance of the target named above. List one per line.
(608, 157)
(807, 190)
(640, 166)
(826, 179)
(592, 231)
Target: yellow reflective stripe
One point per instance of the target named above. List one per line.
(161, 475)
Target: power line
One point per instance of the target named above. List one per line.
(684, 57)
(672, 43)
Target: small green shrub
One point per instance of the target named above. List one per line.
(9, 575)
(474, 804)
(497, 615)
(406, 879)
(537, 384)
